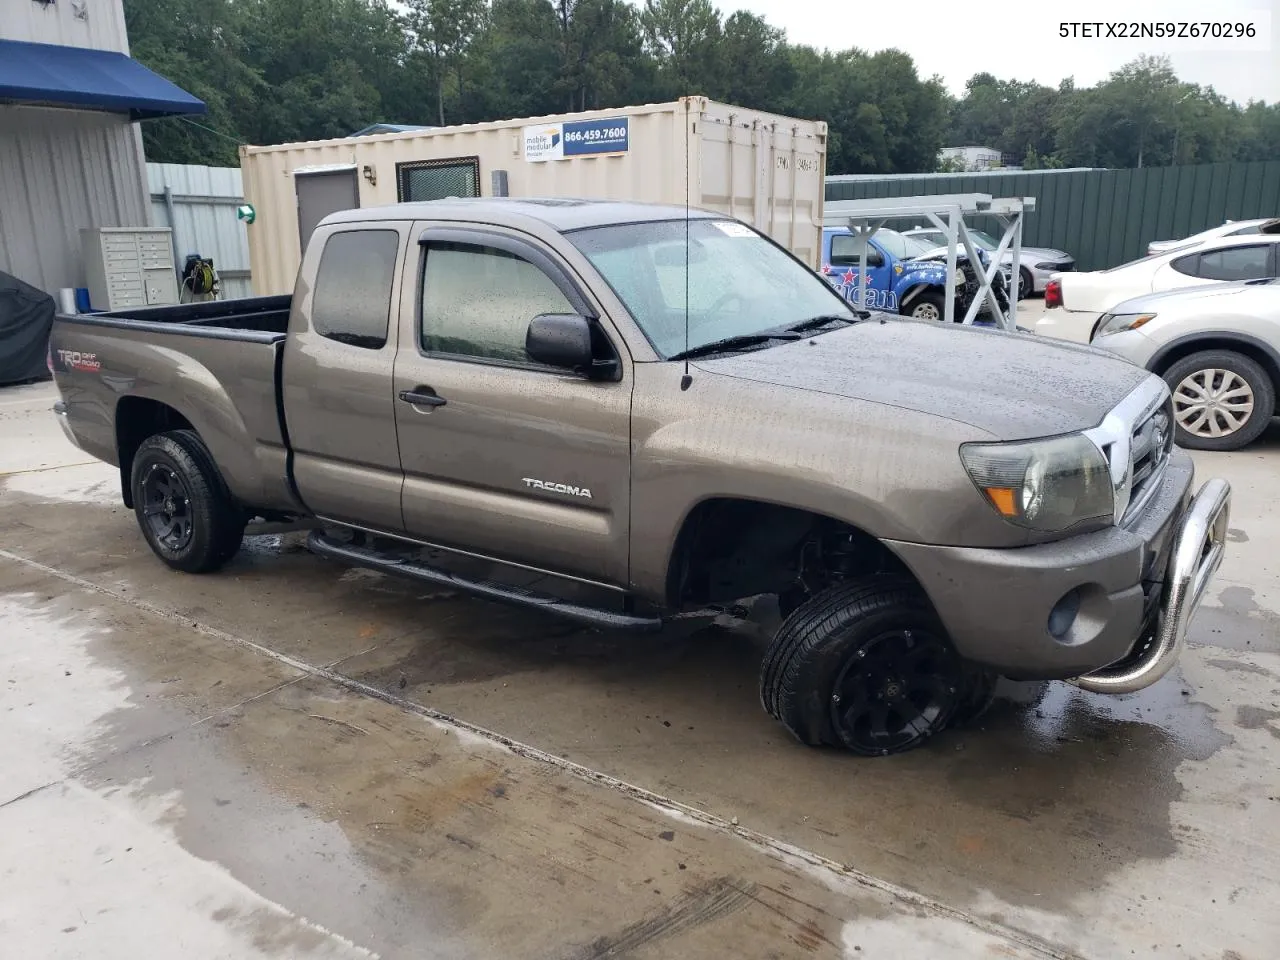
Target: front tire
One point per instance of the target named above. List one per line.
(863, 665)
(928, 306)
(1222, 400)
(182, 503)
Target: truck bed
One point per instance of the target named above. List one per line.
(214, 365)
(261, 318)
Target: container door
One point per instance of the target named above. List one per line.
(322, 193)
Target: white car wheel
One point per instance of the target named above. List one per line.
(1222, 400)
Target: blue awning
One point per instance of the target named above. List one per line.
(89, 79)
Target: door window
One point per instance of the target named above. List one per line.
(352, 298)
(846, 249)
(477, 302)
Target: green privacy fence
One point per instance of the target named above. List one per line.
(1103, 217)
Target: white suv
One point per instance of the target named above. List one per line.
(1217, 347)
(1232, 228)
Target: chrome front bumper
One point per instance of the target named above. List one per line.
(1197, 553)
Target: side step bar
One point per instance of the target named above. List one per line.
(318, 543)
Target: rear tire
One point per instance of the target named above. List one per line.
(863, 665)
(928, 306)
(182, 504)
(1242, 390)
(1025, 285)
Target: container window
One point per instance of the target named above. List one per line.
(438, 179)
(353, 287)
(477, 302)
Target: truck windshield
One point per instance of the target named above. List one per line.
(734, 282)
(900, 245)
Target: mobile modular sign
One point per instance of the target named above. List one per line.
(576, 138)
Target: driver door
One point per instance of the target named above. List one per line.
(846, 249)
(502, 456)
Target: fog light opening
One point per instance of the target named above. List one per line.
(1063, 614)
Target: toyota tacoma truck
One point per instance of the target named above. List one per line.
(622, 413)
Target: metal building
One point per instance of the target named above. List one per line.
(70, 147)
(198, 204)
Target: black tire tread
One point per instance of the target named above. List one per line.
(1026, 283)
(931, 296)
(225, 521)
(1264, 396)
(811, 624)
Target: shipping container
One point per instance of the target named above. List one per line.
(761, 168)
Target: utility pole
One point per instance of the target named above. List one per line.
(1177, 127)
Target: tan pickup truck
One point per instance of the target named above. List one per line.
(618, 412)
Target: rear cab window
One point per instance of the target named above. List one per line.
(352, 298)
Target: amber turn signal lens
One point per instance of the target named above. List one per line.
(1002, 498)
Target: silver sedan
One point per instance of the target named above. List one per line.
(1035, 266)
(1218, 348)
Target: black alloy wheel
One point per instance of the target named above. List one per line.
(166, 506)
(896, 690)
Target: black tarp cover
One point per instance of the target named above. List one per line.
(26, 317)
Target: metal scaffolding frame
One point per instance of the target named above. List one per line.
(947, 213)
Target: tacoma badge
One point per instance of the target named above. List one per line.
(557, 488)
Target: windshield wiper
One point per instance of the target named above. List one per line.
(729, 344)
(822, 319)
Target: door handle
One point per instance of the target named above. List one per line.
(423, 396)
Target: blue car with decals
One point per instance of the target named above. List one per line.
(904, 275)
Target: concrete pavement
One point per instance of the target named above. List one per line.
(293, 759)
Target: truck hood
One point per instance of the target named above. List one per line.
(1012, 386)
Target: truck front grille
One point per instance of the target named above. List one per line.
(1136, 437)
(1150, 445)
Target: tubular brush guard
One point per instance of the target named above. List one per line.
(1197, 553)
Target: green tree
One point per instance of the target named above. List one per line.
(605, 63)
(204, 48)
(283, 70)
(683, 36)
(756, 69)
(444, 31)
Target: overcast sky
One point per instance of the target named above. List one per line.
(1019, 40)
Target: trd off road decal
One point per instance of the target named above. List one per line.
(75, 360)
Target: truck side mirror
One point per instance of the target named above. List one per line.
(560, 340)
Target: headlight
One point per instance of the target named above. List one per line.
(1048, 265)
(1049, 485)
(1111, 323)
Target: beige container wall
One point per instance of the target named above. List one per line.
(764, 169)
